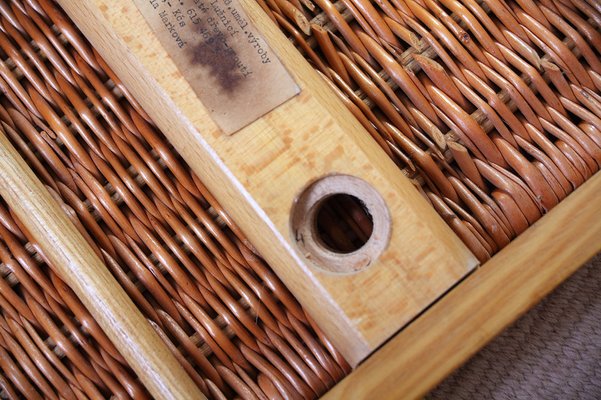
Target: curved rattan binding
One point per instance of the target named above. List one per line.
(492, 106)
(232, 324)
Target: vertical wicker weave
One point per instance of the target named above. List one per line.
(232, 324)
(492, 106)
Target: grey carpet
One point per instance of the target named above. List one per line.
(552, 352)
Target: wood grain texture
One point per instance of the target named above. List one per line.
(478, 309)
(257, 173)
(78, 265)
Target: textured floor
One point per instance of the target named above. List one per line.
(553, 352)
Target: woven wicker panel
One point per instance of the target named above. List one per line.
(231, 323)
(491, 106)
(49, 344)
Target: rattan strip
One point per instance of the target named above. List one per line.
(492, 107)
(233, 325)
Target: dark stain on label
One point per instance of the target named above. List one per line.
(214, 53)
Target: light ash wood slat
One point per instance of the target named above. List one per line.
(78, 265)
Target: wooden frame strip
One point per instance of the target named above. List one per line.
(479, 308)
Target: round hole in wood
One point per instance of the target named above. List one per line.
(343, 223)
(340, 223)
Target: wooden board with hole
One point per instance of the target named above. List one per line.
(259, 173)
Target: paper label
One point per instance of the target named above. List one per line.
(224, 58)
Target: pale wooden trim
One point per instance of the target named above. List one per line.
(77, 264)
(494, 296)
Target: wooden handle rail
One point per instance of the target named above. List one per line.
(85, 273)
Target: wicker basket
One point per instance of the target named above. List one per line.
(491, 108)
